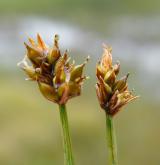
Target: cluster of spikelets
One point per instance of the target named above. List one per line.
(112, 94)
(58, 80)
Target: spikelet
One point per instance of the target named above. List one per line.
(112, 94)
(58, 80)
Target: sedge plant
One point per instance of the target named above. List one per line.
(57, 78)
(112, 94)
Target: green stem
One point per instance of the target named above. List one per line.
(111, 139)
(66, 136)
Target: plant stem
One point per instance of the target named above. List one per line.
(111, 139)
(66, 136)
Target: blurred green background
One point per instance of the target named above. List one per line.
(30, 130)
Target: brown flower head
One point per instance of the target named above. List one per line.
(58, 80)
(112, 94)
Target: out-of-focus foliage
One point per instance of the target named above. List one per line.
(105, 6)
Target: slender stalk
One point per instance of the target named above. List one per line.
(66, 136)
(111, 140)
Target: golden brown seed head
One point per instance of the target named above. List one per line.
(112, 94)
(58, 80)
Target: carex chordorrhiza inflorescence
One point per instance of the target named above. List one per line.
(57, 78)
(112, 94)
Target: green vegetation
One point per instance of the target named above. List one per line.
(82, 6)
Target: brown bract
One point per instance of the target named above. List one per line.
(112, 94)
(57, 78)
